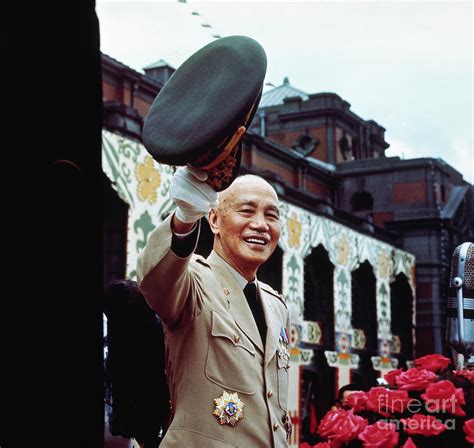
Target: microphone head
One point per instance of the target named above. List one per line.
(460, 332)
(462, 265)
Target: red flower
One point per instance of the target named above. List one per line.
(409, 444)
(409, 394)
(341, 426)
(357, 401)
(415, 379)
(468, 374)
(426, 425)
(387, 402)
(468, 429)
(380, 435)
(433, 363)
(391, 376)
(443, 396)
(305, 445)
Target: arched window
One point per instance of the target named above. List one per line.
(305, 144)
(318, 379)
(401, 305)
(364, 308)
(362, 201)
(364, 317)
(318, 293)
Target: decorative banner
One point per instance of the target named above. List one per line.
(342, 299)
(359, 341)
(347, 249)
(344, 362)
(384, 364)
(311, 332)
(140, 182)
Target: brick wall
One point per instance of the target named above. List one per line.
(111, 92)
(289, 138)
(381, 218)
(409, 193)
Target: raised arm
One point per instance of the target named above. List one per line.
(163, 273)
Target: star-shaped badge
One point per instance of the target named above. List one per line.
(229, 409)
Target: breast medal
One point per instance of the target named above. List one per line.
(283, 349)
(229, 409)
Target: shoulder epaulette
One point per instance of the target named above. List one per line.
(201, 260)
(269, 289)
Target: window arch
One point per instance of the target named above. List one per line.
(319, 294)
(364, 317)
(401, 305)
(362, 201)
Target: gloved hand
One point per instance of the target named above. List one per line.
(192, 195)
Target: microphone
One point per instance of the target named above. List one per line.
(460, 311)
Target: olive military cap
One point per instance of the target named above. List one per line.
(214, 92)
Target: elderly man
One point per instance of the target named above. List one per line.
(227, 346)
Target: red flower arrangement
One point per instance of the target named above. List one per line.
(430, 405)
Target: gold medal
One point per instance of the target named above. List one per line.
(229, 409)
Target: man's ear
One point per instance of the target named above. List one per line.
(213, 218)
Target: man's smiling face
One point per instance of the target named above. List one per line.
(246, 224)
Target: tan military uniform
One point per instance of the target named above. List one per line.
(213, 346)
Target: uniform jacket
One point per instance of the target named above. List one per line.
(213, 345)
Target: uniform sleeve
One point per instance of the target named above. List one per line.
(183, 245)
(164, 275)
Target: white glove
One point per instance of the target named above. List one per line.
(189, 191)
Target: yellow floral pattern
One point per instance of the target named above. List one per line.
(383, 264)
(148, 180)
(294, 231)
(343, 251)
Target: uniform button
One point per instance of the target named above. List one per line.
(270, 393)
(276, 425)
(236, 338)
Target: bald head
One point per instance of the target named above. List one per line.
(240, 185)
